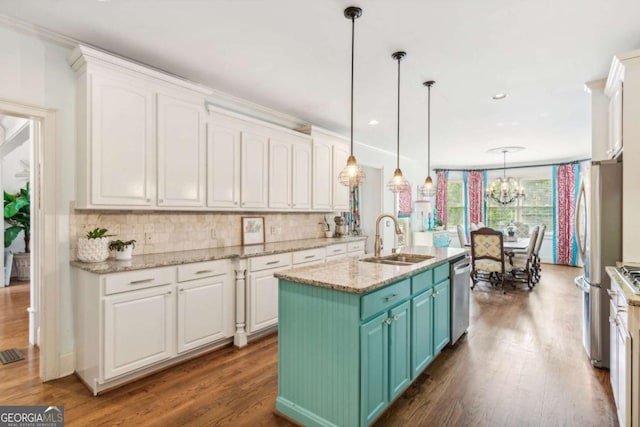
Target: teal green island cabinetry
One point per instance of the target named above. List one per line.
(353, 335)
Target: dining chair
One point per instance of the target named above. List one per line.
(522, 229)
(523, 265)
(536, 253)
(487, 257)
(461, 236)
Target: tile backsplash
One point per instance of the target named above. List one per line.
(158, 232)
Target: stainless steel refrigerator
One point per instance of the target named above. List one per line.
(599, 235)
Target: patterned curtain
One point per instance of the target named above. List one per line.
(473, 197)
(441, 196)
(354, 215)
(564, 195)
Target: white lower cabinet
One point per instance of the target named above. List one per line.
(262, 297)
(130, 323)
(138, 329)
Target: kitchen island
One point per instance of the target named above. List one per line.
(353, 335)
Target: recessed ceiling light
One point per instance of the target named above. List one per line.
(499, 96)
(373, 122)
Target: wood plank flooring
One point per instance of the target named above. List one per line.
(521, 364)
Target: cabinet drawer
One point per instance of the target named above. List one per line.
(337, 249)
(269, 261)
(200, 270)
(441, 273)
(355, 246)
(140, 279)
(384, 298)
(308, 256)
(421, 281)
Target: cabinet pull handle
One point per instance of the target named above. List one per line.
(387, 321)
(272, 262)
(204, 271)
(396, 317)
(612, 293)
(161, 201)
(168, 293)
(138, 282)
(181, 289)
(309, 256)
(391, 298)
(337, 250)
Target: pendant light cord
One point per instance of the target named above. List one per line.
(398, 135)
(353, 29)
(429, 131)
(504, 165)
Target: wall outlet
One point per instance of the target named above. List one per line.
(274, 230)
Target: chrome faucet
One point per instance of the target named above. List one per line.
(378, 243)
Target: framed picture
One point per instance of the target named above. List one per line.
(252, 230)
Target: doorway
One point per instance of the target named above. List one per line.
(372, 205)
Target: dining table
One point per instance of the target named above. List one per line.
(522, 243)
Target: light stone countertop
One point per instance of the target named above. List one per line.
(632, 298)
(139, 262)
(355, 276)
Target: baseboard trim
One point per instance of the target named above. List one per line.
(67, 364)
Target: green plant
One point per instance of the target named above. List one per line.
(439, 223)
(17, 212)
(97, 233)
(119, 245)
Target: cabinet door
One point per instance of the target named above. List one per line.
(399, 349)
(121, 142)
(181, 153)
(201, 312)
(223, 164)
(279, 174)
(322, 182)
(254, 166)
(615, 120)
(263, 300)
(301, 183)
(138, 329)
(441, 317)
(340, 192)
(613, 350)
(374, 368)
(421, 332)
(624, 375)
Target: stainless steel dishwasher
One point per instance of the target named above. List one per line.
(460, 276)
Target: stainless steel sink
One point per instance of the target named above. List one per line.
(399, 259)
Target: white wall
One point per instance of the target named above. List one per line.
(35, 71)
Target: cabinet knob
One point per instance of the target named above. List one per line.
(396, 317)
(148, 200)
(181, 289)
(387, 320)
(161, 201)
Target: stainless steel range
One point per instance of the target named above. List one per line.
(632, 276)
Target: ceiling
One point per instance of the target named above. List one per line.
(294, 56)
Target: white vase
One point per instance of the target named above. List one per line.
(93, 250)
(125, 253)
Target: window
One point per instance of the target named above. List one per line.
(455, 203)
(534, 209)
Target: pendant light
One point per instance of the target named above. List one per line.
(398, 182)
(352, 175)
(428, 189)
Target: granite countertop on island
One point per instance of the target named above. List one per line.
(139, 262)
(357, 276)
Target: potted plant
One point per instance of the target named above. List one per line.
(17, 213)
(123, 249)
(94, 247)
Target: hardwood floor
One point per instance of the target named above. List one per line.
(521, 364)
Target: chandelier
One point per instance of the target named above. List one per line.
(505, 190)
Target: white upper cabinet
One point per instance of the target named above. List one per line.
(254, 170)
(223, 163)
(181, 153)
(301, 182)
(280, 173)
(140, 144)
(340, 192)
(322, 157)
(120, 143)
(615, 119)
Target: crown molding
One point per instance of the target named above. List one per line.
(37, 31)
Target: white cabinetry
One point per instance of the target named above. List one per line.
(620, 353)
(138, 329)
(322, 159)
(116, 142)
(335, 252)
(280, 173)
(301, 179)
(131, 323)
(254, 170)
(615, 118)
(262, 297)
(223, 163)
(181, 152)
(138, 132)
